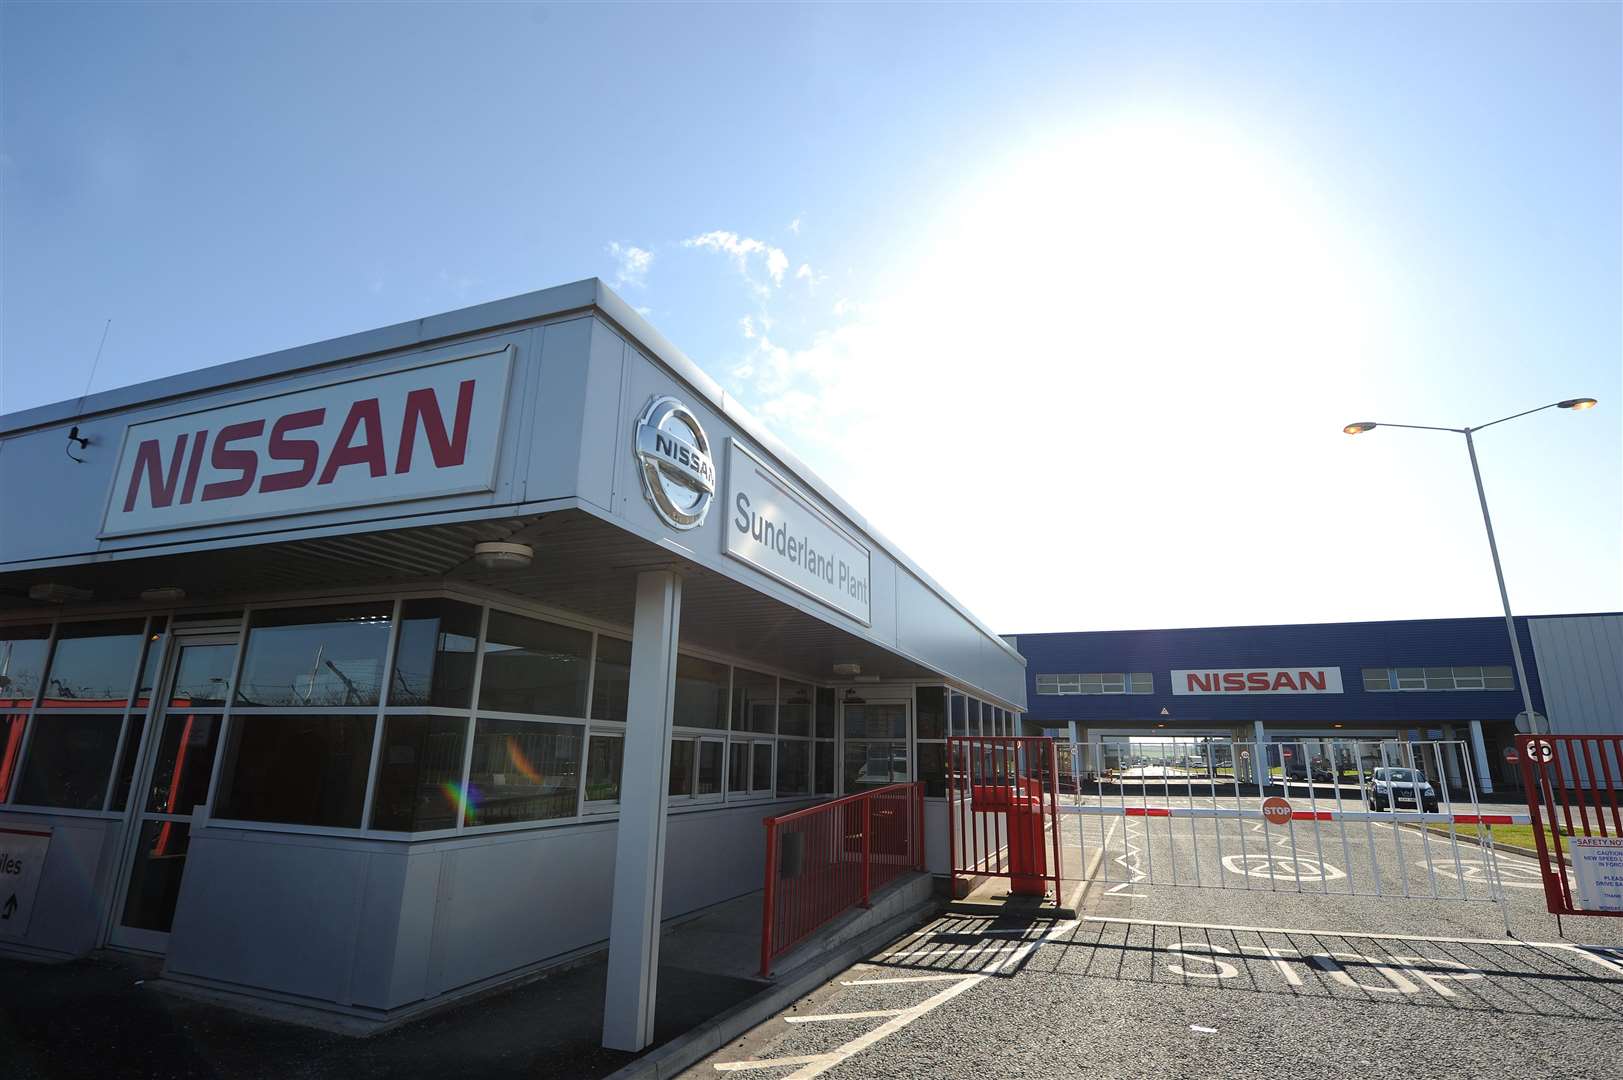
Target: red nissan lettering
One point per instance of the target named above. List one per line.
(363, 413)
(424, 405)
(224, 459)
(149, 464)
(1257, 680)
(304, 451)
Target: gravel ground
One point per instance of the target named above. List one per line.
(1123, 994)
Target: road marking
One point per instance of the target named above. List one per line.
(840, 1016)
(903, 979)
(1345, 934)
(945, 950)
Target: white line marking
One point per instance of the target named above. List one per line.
(840, 1016)
(771, 1063)
(1343, 933)
(908, 979)
(945, 950)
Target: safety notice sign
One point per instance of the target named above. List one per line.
(22, 862)
(1597, 872)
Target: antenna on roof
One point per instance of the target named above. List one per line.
(73, 433)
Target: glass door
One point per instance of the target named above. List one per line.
(876, 737)
(172, 780)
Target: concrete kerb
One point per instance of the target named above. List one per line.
(673, 1057)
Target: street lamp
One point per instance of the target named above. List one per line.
(1577, 404)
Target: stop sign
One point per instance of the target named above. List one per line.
(1276, 811)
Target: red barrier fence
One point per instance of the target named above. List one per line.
(826, 859)
(1003, 811)
(1572, 784)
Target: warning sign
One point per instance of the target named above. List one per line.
(1276, 811)
(1597, 872)
(22, 862)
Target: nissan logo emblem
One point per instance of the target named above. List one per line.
(678, 476)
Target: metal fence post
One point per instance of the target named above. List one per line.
(867, 847)
(918, 825)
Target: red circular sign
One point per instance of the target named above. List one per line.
(1276, 811)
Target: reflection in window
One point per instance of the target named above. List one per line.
(69, 760)
(523, 771)
(932, 712)
(22, 661)
(149, 663)
(604, 759)
(296, 769)
(681, 784)
(794, 767)
(825, 712)
(701, 694)
(933, 768)
(534, 667)
(11, 742)
(869, 720)
(434, 659)
(611, 679)
(93, 665)
(323, 656)
(202, 675)
(755, 701)
(709, 773)
(761, 774)
(795, 711)
(874, 764)
(823, 768)
(419, 771)
(180, 772)
(126, 761)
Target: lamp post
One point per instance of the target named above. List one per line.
(1493, 547)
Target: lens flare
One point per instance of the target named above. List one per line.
(521, 764)
(466, 803)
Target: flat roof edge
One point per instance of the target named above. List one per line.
(587, 294)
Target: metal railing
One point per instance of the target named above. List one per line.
(827, 859)
(1003, 812)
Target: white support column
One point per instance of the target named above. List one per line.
(639, 858)
(1259, 763)
(1479, 750)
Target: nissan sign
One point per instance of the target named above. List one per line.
(415, 433)
(1297, 680)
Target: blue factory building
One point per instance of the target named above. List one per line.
(1297, 685)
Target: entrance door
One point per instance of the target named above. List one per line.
(172, 780)
(876, 735)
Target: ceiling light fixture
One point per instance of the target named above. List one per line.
(848, 669)
(163, 594)
(499, 556)
(54, 592)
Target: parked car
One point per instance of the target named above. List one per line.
(1397, 788)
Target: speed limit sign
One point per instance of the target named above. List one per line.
(1541, 751)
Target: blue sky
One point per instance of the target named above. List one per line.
(1071, 301)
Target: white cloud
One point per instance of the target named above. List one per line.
(794, 226)
(744, 250)
(631, 264)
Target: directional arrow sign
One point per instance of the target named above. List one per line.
(22, 864)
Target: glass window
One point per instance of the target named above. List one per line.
(755, 701)
(523, 771)
(1143, 682)
(611, 681)
(296, 769)
(1411, 678)
(435, 655)
(959, 724)
(1375, 679)
(69, 760)
(825, 712)
(605, 757)
(322, 656)
(1497, 678)
(419, 772)
(1439, 678)
(93, 665)
(795, 711)
(201, 676)
(149, 663)
(874, 764)
(701, 694)
(681, 785)
(875, 720)
(823, 768)
(22, 661)
(933, 768)
(126, 762)
(180, 772)
(932, 712)
(709, 771)
(794, 767)
(738, 767)
(11, 742)
(534, 667)
(761, 774)
(160, 856)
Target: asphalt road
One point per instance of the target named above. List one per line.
(1156, 980)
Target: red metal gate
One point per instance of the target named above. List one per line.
(1572, 786)
(1003, 812)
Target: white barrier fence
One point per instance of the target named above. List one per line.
(1314, 816)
